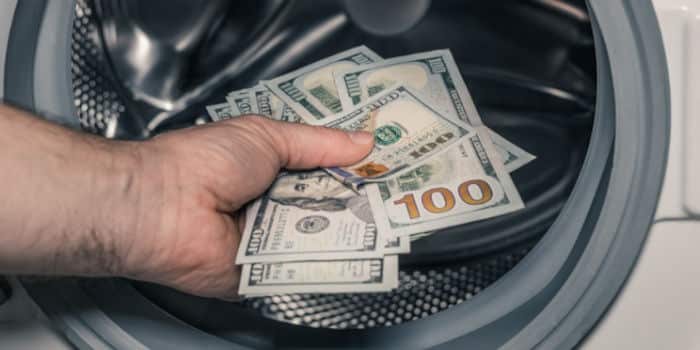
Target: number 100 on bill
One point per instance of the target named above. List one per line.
(438, 201)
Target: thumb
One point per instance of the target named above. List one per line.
(299, 146)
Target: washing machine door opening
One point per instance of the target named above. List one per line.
(571, 85)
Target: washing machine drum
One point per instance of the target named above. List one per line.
(583, 86)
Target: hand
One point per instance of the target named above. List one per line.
(193, 184)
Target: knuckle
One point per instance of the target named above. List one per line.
(259, 126)
(266, 138)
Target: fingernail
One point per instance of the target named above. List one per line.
(361, 137)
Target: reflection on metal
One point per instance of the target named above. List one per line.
(282, 50)
(383, 18)
(565, 8)
(150, 43)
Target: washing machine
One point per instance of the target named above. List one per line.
(606, 94)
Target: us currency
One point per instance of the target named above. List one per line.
(435, 76)
(336, 276)
(310, 91)
(220, 111)
(240, 101)
(392, 244)
(461, 185)
(268, 104)
(311, 216)
(406, 131)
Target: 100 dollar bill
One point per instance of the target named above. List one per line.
(240, 101)
(406, 131)
(436, 77)
(311, 90)
(268, 104)
(335, 276)
(310, 216)
(461, 185)
(220, 111)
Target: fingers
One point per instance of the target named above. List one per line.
(300, 146)
(231, 293)
(206, 265)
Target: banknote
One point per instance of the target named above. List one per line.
(220, 111)
(436, 77)
(460, 185)
(394, 244)
(310, 91)
(406, 131)
(240, 101)
(268, 104)
(310, 216)
(335, 276)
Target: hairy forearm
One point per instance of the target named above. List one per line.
(64, 198)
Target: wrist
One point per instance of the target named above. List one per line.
(132, 203)
(106, 208)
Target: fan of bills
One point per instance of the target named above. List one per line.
(434, 165)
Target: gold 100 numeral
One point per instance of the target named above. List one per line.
(448, 198)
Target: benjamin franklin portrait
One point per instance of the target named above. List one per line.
(318, 191)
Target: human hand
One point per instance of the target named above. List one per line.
(193, 183)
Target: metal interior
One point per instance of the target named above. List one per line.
(529, 65)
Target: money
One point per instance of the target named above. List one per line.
(396, 244)
(434, 165)
(240, 101)
(406, 131)
(311, 90)
(220, 111)
(460, 185)
(336, 276)
(436, 77)
(268, 104)
(310, 216)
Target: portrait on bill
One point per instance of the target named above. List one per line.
(319, 191)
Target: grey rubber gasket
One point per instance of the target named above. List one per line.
(53, 90)
(21, 49)
(37, 63)
(553, 297)
(642, 105)
(7, 11)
